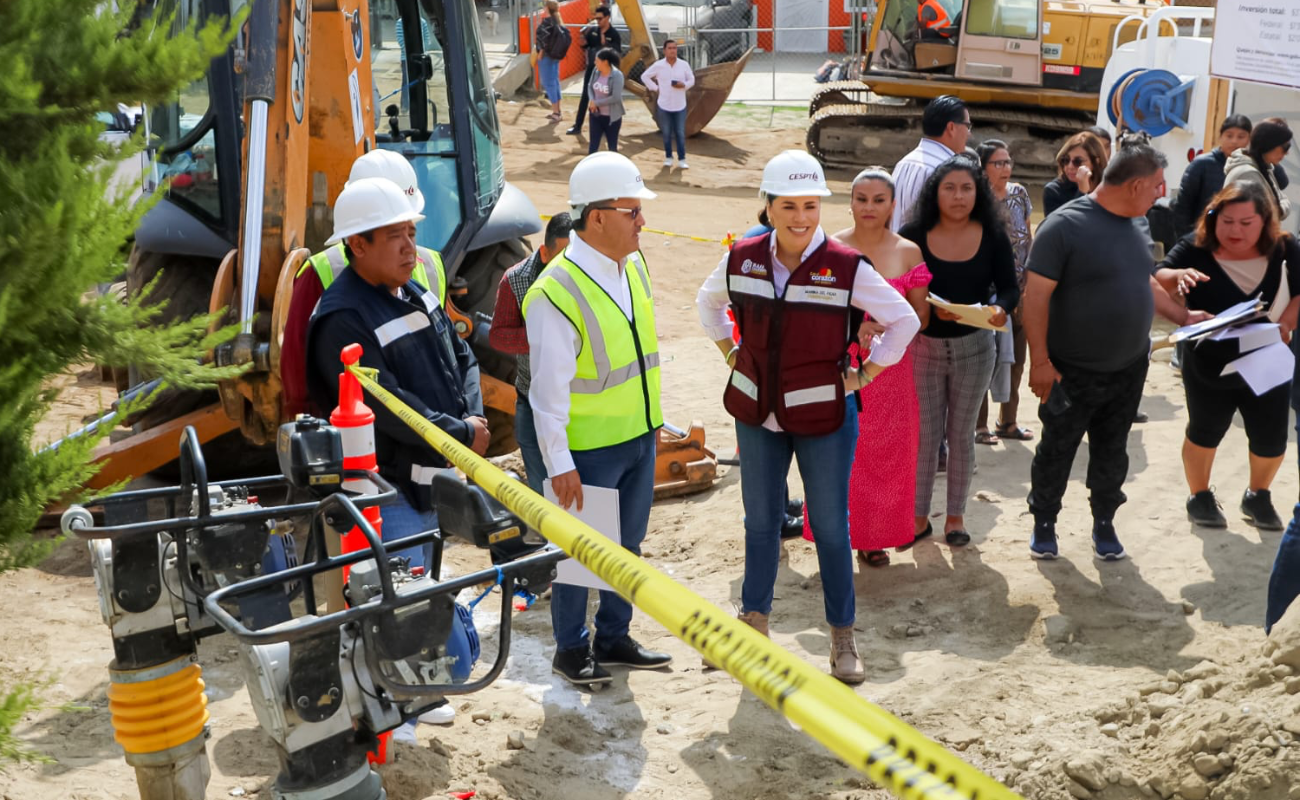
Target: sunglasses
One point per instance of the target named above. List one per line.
(1075, 162)
(631, 212)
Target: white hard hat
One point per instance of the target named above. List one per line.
(794, 173)
(604, 176)
(367, 204)
(393, 166)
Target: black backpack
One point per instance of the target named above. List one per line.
(557, 44)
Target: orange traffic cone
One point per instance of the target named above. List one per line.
(356, 425)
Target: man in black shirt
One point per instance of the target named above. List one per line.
(594, 39)
(1088, 308)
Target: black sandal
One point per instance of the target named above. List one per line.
(929, 529)
(957, 538)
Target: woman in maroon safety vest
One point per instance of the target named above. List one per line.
(793, 291)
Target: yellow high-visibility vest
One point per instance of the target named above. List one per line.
(614, 396)
(331, 261)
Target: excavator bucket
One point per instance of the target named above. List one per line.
(683, 465)
(704, 100)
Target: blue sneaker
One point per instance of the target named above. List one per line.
(1043, 542)
(1105, 542)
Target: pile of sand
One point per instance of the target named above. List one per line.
(1214, 732)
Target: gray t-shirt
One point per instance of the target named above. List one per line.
(1102, 308)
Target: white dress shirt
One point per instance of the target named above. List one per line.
(553, 346)
(910, 175)
(659, 78)
(871, 293)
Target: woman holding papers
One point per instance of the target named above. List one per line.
(966, 247)
(882, 486)
(793, 292)
(1239, 252)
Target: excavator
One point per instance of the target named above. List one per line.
(1029, 70)
(253, 155)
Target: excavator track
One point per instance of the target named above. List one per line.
(860, 133)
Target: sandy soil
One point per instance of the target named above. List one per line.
(1138, 678)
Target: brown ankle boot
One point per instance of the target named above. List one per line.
(755, 620)
(846, 666)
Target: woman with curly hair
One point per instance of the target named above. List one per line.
(965, 245)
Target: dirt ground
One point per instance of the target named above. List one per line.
(1140, 678)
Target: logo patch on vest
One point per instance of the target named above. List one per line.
(824, 276)
(748, 267)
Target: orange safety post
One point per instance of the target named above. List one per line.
(356, 425)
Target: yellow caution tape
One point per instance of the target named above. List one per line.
(889, 751)
(726, 241)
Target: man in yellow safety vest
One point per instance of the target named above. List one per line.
(594, 358)
(321, 270)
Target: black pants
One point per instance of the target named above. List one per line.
(582, 101)
(1102, 405)
(602, 127)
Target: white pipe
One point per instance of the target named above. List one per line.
(254, 189)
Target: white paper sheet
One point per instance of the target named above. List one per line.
(1241, 312)
(1249, 337)
(1265, 368)
(600, 511)
(976, 316)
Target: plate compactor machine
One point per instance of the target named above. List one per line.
(176, 565)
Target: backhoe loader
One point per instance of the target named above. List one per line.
(253, 155)
(1029, 70)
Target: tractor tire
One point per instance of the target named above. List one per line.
(482, 273)
(185, 285)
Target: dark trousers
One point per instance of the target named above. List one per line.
(601, 127)
(1102, 405)
(582, 101)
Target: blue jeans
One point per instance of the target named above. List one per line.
(402, 520)
(673, 126)
(824, 463)
(1284, 583)
(526, 436)
(630, 468)
(548, 70)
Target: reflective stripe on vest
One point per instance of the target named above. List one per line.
(393, 330)
(423, 476)
(614, 395)
(330, 262)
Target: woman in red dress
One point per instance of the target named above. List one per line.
(882, 485)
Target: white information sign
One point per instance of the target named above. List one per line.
(1261, 44)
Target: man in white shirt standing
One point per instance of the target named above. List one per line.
(945, 129)
(670, 77)
(594, 358)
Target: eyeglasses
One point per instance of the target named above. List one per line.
(1286, 148)
(969, 125)
(1001, 162)
(1076, 162)
(633, 213)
